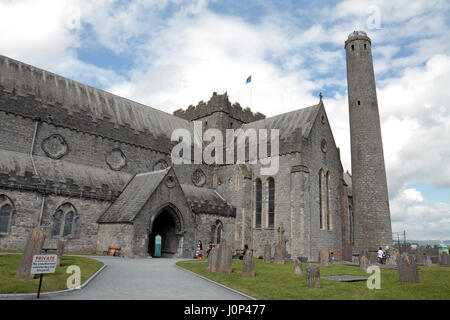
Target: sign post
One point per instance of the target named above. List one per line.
(43, 263)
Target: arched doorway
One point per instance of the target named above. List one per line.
(166, 223)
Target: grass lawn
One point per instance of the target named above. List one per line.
(277, 282)
(67, 253)
(51, 282)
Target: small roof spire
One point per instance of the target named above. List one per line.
(320, 96)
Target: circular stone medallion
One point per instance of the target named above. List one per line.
(116, 160)
(199, 178)
(55, 146)
(170, 182)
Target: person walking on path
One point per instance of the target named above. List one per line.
(200, 250)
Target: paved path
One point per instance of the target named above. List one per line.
(138, 279)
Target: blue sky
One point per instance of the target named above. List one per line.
(169, 54)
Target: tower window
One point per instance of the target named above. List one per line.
(365, 46)
(359, 103)
(353, 48)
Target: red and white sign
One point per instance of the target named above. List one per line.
(44, 263)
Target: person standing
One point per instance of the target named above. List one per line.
(380, 255)
(200, 250)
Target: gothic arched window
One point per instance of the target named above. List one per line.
(258, 203)
(63, 220)
(271, 208)
(6, 211)
(216, 232)
(321, 199)
(329, 221)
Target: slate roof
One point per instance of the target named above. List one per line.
(133, 198)
(204, 200)
(60, 171)
(288, 122)
(79, 99)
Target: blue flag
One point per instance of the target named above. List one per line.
(249, 79)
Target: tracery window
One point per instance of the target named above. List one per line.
(64, 220)
(6, 211)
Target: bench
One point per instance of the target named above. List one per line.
(113, 251)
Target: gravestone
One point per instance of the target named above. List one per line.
(212, 260)
(267, 253)
(324, 258)
(60, 251)
(248, 265)
(373, 257)
(428, 261)
(280, 254)
(444, 259)
(407, 268)
(363, 263)
(347, 253)
(364, 253)
(34, 246)
(434, 259)
(298, 267)
(313, 275)
(224, 259)
(420, 259)
(392, 256)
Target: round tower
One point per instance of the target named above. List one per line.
(372, 220)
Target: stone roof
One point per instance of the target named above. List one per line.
(56, 176)
(204, 200)
(292, 126)
(65, 102)
(134, 196)
(137, 192)
(288, 122)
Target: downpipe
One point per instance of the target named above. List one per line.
(36, 126)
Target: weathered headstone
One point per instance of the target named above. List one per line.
(428, 261)
(434, 259)
(364, 253)
(34, 246)
(373, 257)
(248, 265)
(313, 275)
(392, 256)
(225, 258)
(267, 253)
(324, 258)
(280, 254)
(212, 260)
(363, 263)
(60, 251)
(298, 267)
(347, 252)
(444, 259)
(407, 268)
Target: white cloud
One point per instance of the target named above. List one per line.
(421, 220)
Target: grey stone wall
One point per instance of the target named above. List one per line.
(370, 193)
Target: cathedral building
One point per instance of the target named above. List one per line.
(97, 170)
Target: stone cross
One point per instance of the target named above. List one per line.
(320, 95)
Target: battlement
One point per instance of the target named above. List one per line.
(219, 103)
